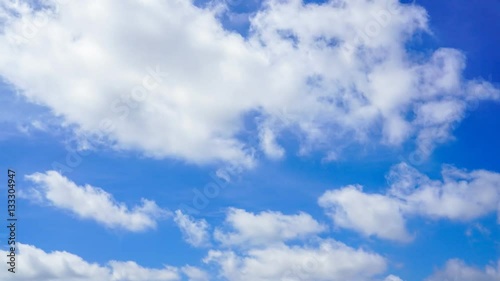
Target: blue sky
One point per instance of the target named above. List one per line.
(245, 145)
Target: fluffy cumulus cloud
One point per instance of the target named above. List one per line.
(264, 246)
(323, 259)
(121, 73)
(370, 214)
(265, 228)
(39, 265)
(268, 255)
(458, 270)
(195, 232)
(93, 203)
(330, 260)
(459, 196)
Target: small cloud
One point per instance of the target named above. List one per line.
(269, 145)
(265, 228)
(93, 203)
(195, 232)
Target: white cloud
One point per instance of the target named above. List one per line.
(195, 274)
(330, 261)
(459, 196)
(458, 270)
(195, 232)
(265, 228)
(35, 264)
(317, 259)
(131, 271)
(369, 214)
(392, 278)
(173, 83)
(262, 247)
(268, 144)
(90, 202)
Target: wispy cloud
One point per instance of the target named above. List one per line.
(195, 232)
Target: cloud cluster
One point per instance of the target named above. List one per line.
(275, 246)
(272, 245)
(93, 203)
(165, 77)
(242, 247)
(330, 260)
(459, 196)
